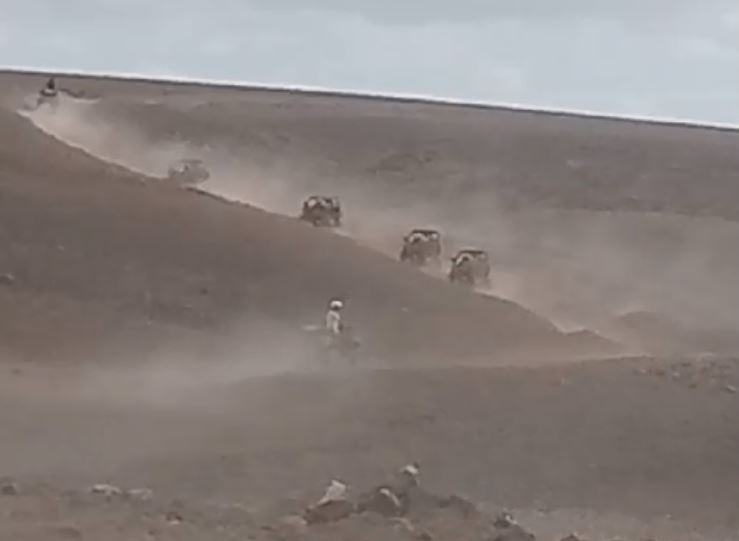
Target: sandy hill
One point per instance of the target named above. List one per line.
(83, 234)
(101, 262)
(585, 219)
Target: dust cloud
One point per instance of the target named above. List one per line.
(191, 372)
(580, 269)
(75, 122)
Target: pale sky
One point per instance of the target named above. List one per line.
(667, 58)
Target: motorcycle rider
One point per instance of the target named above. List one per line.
(334, 329)
(49, 90)
(334, 324)
(341, 342)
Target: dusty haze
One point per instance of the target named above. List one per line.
(152, 336)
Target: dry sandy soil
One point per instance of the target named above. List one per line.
(157, 337)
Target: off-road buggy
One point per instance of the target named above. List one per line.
(322, 211)
(470, 266)
(420, 246)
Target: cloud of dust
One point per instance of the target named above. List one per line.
(79, 124)
(75, 122)
(580, 269)
(583, 269)
(193, 373)
(179, 398)
(278, 186)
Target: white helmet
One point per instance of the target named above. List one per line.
(411, 469)
(336, 304)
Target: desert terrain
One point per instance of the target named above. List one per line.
(162, 338)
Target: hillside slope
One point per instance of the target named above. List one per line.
(101, 265)
(585, 219)
(79, 231)
(414, 149)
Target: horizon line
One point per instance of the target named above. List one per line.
(370, 94)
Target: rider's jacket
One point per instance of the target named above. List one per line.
(333, 322)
